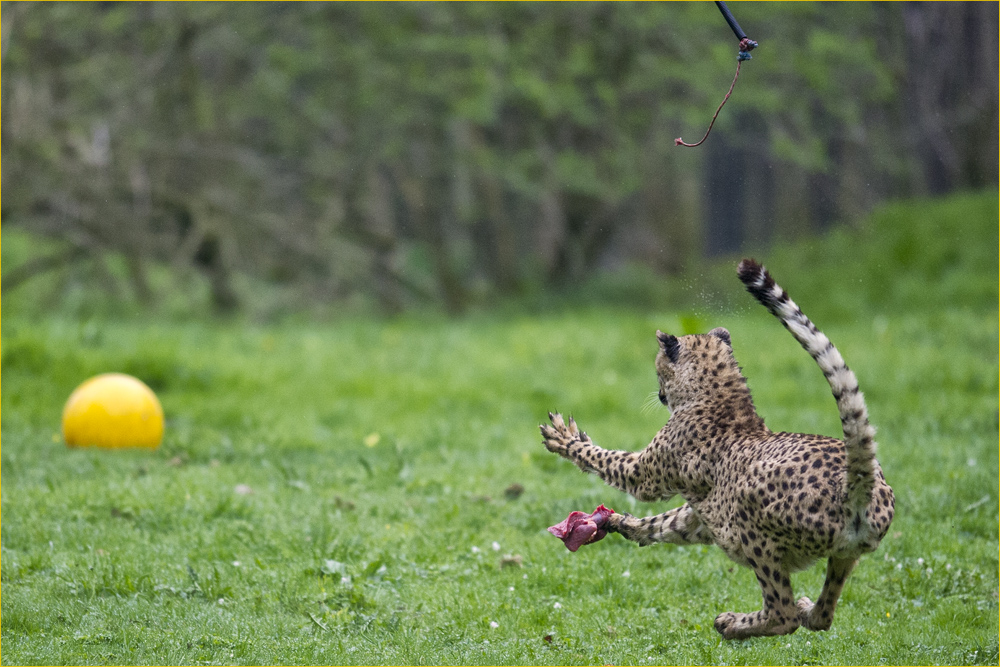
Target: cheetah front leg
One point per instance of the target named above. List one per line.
(619, 469)
(677, 526)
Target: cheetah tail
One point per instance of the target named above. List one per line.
(859, 434)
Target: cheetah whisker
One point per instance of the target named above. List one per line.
(651, 403)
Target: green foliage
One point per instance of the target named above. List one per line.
(903, 247)
(319, 148)
(882, 265)
(331, 494)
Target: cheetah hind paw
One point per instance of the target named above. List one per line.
(809, 616)
(725, 624)
(733, 625)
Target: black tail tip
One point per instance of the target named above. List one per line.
(750, 271)
(758, 282)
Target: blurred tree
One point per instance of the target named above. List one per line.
(950, 93)
(443, 153)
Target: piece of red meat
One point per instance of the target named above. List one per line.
(579, 528)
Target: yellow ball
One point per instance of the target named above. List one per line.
(112, 411)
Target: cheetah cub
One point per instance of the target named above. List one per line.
(774, 502)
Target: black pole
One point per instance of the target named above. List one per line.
(746, 46)
(728, 15)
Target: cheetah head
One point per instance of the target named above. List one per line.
(689, 366)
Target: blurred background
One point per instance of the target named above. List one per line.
(274, 158)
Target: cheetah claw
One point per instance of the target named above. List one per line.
(560, 435)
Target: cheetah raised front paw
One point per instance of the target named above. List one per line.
(562, 437)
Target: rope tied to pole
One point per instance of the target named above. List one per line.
(746, 46)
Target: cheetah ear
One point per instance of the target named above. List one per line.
(722, 335)
(669, 344)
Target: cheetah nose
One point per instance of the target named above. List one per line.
(663, 398)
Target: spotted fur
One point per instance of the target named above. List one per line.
(859, 435)
(774, 502)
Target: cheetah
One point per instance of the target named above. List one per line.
(774, 502)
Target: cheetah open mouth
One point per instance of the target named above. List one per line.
(579, 528)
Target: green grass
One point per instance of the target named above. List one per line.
(348, 553)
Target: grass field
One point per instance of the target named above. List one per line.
(342, 492)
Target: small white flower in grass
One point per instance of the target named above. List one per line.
(626, 573)
(557, 606)
(496, 546)
(809, 643)
(236, 563)
(947, 566)
(511, 589)
(526, 576)
(788, 646)
(930, 572)
(494, 625)
(920, 561)
(475, 550)
(899, 566)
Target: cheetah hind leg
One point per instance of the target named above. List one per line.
(780, 616)
(819, 616)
